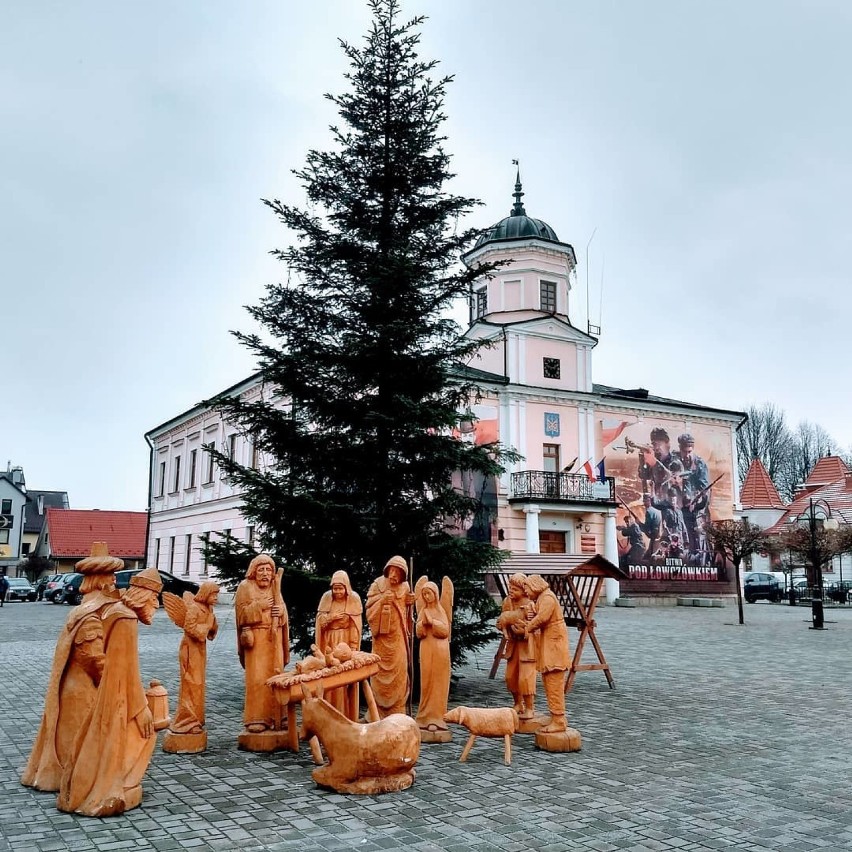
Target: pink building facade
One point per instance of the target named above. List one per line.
(583, 485)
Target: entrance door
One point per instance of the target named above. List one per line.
(551, 542)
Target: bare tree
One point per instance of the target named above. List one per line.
(809, 443)
(764, 436)
(816, 546)
(737, 540)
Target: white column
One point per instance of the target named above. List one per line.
(533, 545)
(611, 553)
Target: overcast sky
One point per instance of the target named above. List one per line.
(710, 145)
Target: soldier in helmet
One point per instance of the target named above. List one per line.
(696, 489)
(658, 466)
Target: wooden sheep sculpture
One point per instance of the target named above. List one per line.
(376, 757)
(486, 722)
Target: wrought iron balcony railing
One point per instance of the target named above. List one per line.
(562, 487)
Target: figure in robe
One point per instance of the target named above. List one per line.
(263, 641)
(434, 624)
(114, 745)
(195, 615)
(553, 658)
(78, 663)
(519, 651)
(339, 622)
(388, 605)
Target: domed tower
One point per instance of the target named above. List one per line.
(524, 306)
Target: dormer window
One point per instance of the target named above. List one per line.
(551, 368)
(481, 302)
(547, 296)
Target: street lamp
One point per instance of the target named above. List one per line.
(818, 516)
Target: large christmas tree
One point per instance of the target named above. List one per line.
(364, 384)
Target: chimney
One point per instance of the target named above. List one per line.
(41, 504)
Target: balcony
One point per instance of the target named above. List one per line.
(546, 486)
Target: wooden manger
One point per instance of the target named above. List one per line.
(577, 581)
(288, 690)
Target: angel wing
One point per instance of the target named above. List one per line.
(418, 592)
(175, 607)
(448, 594)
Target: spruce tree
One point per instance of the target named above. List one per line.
(361, 365)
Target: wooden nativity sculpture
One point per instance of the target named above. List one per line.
(433, 628)
(187, 733)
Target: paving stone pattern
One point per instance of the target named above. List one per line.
(716, 737)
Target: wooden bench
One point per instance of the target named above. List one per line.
(577, 581)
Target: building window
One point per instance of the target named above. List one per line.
(193, 464)
(157, 553)
(188, 555)
(177, 474)
(550, 457)
(547, 294)
(481, 302)
(255, 454)
(209, 462)
(25, 548)
(551, 368)
(250, 536)
(205, 539)
(4, 536)
(232, 447)
(161, 489)
(6, 507)
(172, 555)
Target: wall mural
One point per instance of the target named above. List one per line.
(671, 480)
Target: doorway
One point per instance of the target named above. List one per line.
(551, 542)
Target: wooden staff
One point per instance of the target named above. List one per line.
(409, 619)
(277, 639)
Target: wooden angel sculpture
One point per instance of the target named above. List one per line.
(434, 623)
(187, 734)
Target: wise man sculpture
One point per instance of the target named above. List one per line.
(112, 751)
(194, 613)
(78, 663)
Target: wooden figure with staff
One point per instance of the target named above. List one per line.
(263, 643)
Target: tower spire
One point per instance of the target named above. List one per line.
(518, 207)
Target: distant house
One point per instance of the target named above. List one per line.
(35, 516)
(761, 505)
(829, 486)
(13, 499)
(68, 534)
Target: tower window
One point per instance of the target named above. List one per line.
(481, 302)
(551, 368)
(547, 295)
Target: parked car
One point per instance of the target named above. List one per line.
(55, 584)
(175, 585)
(70, 592)
(839, 592)
(762, 586)
(20, 589)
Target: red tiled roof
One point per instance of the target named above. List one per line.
(72, 532)
(827, 470)
(838, 496)
(758, 492)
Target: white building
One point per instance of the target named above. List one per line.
(580, 480)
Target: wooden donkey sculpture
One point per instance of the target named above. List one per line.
(376, 757)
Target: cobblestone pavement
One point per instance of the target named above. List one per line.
(716, 737)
